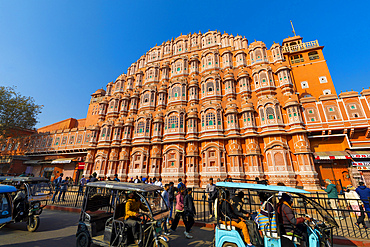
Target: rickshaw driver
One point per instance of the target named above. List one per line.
(236, 221)
(289, 223)
(20, 200)
(133, 205)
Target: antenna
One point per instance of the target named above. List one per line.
(291, 23)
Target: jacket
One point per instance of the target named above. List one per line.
(179, 202)
(189, 207)
(132, 208)
(237, 205)
(364, 193)
(286, 216)
(171, 193)
(227, 210)
(332, 191)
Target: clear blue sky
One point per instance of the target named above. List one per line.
(60, 52)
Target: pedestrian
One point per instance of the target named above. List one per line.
(356, 204)
(83, 181)
(159, 182)
(89, 180)
(131, 180)
(137, 180)
(108, 179)
(93, 178)
(212, 195)
(23, 174)
(180, 184)
(171, 197)
(63, 189)
(57, 183)
(179, 209)
(331, 189)
(145, 181)
(165, 204)
(116, 178)
(364, 194)
(141, 179)
(189, 211)
(150, 181)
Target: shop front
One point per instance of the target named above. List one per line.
(334, 166)
(361, 163)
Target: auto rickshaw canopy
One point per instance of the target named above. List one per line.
(139, 187)
(7, 188)
(261, 187)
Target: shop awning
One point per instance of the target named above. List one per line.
(62, 161)
(332, 155)
(31, 162)
(359, 154)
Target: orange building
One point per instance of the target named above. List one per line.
(213, 105)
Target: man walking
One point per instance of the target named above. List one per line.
(57, 183)
(189, 212)
(212, 195)
(331, 189)
(83, 181)
(63, 189)
(364, 193)
(171, 197)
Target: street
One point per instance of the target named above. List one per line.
(58, 229)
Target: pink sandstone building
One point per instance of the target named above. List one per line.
(215, 105)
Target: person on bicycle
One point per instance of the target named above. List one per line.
(132, 217)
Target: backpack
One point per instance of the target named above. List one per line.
(254, 233)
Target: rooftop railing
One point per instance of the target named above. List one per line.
(300, 47)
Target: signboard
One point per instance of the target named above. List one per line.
(360, 155)
(366, 163)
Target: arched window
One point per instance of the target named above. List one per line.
(270, 113)
(210, 119)
(147, 126)
(146, 98)
(313, 55)
(176, 91)
(173, 122)
(262, 115)
(219, 117)
(210, 87)
(140, 127)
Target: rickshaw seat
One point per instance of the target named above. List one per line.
(120, 210)
(229, 227)
(100, 216)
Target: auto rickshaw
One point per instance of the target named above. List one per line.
(27, 200)
(6, 203)
(269, 233)
(103, 222)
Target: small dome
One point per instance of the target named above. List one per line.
(99, 91)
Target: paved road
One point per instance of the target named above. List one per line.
(58, 229)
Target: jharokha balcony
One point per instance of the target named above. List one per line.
(300, 46)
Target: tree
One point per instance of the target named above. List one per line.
(17, 112)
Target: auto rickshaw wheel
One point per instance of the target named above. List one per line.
(162, 243)
(83, 240)
(33, 223)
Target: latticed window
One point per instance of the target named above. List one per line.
(147, 126)
(277, 111)
(313, 55)
(140, 127)
(219, 117)
(210, 87)
(262, 115)
(270, 113)
(173, 122)
(175, 91)
(146, 98)
(182, 121)
(202, 120)
(210, 119)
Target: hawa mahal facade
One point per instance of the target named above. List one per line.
(214, 105)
